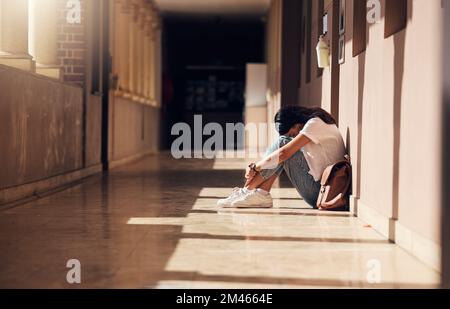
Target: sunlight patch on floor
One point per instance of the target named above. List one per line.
(303, 264)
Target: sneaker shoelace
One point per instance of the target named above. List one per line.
(235, 192)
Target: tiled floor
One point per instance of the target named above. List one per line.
(155, 224)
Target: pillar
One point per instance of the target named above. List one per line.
(152, 57)
(152, 63)
(148, 55)
(141, 52)
(118, 43)
(14, 35)
(133, 56)
(158, 67)
(0, 26)
(124, 40)
(147, 59)
(43, 43)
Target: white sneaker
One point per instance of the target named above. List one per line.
(253, 199)
(227, 202)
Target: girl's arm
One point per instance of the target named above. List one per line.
(284, 153)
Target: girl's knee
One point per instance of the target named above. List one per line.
(284, 140)
(280, 142)
(297, 163)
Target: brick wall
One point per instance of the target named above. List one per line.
(71, 45)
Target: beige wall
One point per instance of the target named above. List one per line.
(393, 90)
(366, 97)
(256, 84)
(255, 119)
(256, 105)
(135, 129)
(40, 127)
(389, 115)
(421, 114)
(390, 100)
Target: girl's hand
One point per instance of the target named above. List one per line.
(250, 173)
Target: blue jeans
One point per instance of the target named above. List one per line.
(297, 170)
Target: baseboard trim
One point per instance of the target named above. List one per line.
(382, 224)
(119, 162)
(425, 250)
(37, 188)
(422, 248)
(354, 205)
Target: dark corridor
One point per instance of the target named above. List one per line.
(204, 69)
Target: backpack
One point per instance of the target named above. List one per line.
(336, 187)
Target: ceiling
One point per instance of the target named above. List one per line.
(219, 8)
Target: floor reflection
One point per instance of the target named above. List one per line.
(155, 223)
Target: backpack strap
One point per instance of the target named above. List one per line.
(326, 175)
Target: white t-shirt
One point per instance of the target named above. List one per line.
(326, 147)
